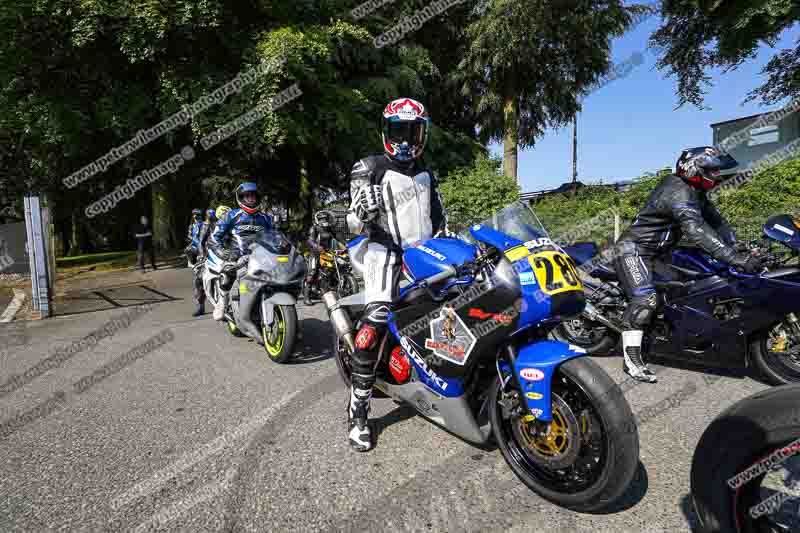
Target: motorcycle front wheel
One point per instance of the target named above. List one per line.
(587, 457)
(776, 354)
(348, 286)
(279, 339)
(764, 499)
(233, 330)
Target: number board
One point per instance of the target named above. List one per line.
(555, 272)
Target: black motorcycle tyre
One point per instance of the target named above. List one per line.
(744, 433)
(771, 371)
(605, 346)
(622, 439)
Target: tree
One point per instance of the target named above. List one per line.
(472, 194)
(697, 37)
(528, 62)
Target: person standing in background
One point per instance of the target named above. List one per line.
(144, 243)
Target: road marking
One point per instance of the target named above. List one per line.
(169, 513)
(13, 307)
(190, 459)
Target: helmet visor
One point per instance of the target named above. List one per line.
(400, 131)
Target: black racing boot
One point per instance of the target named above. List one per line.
(633, 364)
(359, 432)
(200, 310)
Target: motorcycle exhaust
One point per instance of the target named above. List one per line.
(594, 315)
(340, 320)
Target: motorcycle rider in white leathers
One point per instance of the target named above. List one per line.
(394, 204)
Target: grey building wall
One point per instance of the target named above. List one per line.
(788, 131)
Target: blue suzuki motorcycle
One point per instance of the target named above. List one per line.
(709, 313)
(468, 348)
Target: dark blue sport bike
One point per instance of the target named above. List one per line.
(709, 314)
(468, 348)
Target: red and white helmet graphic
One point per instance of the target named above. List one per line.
(405, 129)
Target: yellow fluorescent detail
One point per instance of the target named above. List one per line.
(517, 253)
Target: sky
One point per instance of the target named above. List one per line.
(631, 126)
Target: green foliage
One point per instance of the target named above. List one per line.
(528, 62)
(698, 37)
(772, 191)
(472, 194)
(589, 214)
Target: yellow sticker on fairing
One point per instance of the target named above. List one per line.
(283, 259)
(517, 253)
(555, 272)
(243, 289)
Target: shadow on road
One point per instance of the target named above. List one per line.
(316, 343)
(634, 494)
(737, 373)
(399, 414)
(108, 298)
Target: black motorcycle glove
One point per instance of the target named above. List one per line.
(747, 263)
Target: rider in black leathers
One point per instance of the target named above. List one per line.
(678, 207)
(320, 238)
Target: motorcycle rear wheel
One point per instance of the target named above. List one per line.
(594, 451)
(279, 342)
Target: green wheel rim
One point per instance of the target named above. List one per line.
(231, 327)
(274, 348)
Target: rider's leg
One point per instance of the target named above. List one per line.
(382, 270)
(225, 284)
(198, 293)
(634, 268)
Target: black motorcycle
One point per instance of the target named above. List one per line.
(709, 313)
(334, 273)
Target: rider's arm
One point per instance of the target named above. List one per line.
(687, 211)
(217, 240)
(360, 176)
(718, 222)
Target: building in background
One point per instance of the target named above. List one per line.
(761, 141)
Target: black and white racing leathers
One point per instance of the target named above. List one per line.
(411, 211)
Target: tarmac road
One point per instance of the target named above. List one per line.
(199, 431)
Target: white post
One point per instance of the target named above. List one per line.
(616, 226)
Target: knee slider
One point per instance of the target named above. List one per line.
(640, 312)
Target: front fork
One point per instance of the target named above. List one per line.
(512, 402)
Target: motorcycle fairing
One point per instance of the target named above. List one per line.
(421, 263)
(783, 228)
(543, 356)
(449, 387)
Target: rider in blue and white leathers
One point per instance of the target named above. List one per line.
(198, 294)
(232, 236)
(395, 204)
